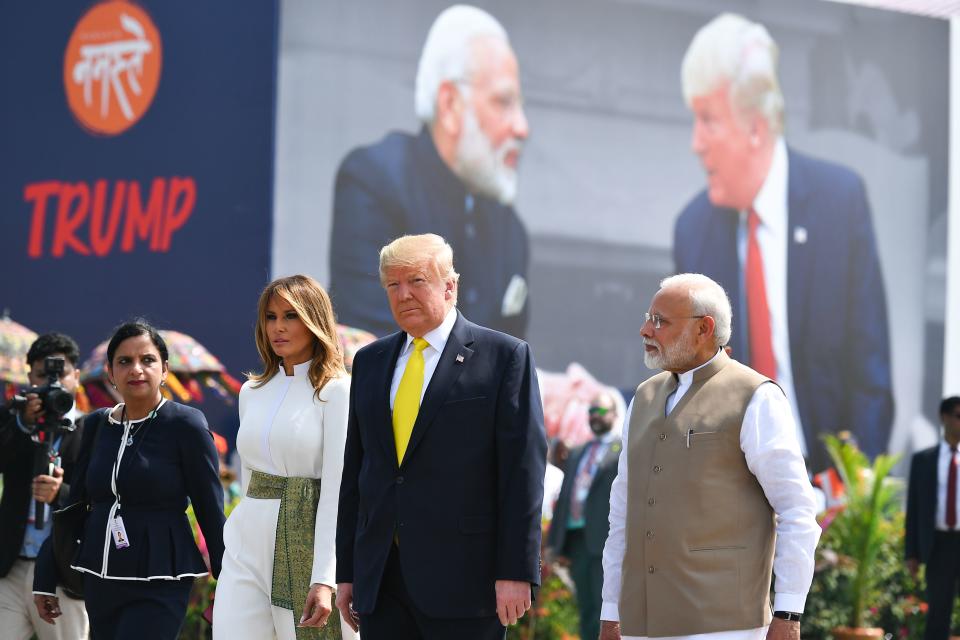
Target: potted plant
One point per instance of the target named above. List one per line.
(859, 529)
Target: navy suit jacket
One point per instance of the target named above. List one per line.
(401, 186)
(922, 504)
(596, 509)
(465, 504)
(836, 304)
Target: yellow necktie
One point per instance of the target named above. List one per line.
(407, 403)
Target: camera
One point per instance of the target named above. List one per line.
(55, 400)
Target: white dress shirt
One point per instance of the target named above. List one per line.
(437, 339)
(769, 443)
(943, 470)
(774, 236)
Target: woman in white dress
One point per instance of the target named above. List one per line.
(278, 570)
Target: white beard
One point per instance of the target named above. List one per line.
(481, 167)
(672, 357)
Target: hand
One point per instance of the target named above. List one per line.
(783, 630)
(317, 608)
(48, 607)
(46, 488)
(513, 600)
(913, 566)
(609, 630)
(31, 413)
(345, 605)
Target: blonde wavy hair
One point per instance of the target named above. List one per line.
(315, 310)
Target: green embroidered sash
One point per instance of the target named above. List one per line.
(293, 551)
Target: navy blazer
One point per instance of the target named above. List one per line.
(596, 508)
(922, 504)
(465, 504)
(173, 459)
(401, 186)
(836, 304)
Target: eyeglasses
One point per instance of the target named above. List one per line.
(599, 411)
(658, 319)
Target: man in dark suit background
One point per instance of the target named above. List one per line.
(932, 536)
(457, 178)
(438, 531)
(20, 540)
(788, 237)
(580, 519)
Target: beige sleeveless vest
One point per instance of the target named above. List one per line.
(700, 533)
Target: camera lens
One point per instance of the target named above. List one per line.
(58, 401)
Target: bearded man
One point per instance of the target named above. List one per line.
(711, 496)
(457, 178)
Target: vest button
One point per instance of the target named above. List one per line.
(651, 569)
(649, 535)
(663, 436)
(657, 469)
(651, 502)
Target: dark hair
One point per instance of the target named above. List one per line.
(947, 405)
(50, 344)
(132, 330)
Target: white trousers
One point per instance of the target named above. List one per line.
(242, 609)
(18, 615)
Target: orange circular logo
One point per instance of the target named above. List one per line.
(111, 68)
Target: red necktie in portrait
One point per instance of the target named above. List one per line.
(952, 491)
(762, 359)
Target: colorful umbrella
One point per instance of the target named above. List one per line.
(352, 340)
(15, 340)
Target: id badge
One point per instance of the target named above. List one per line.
(119, 532)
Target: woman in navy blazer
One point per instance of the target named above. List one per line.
(140, 464)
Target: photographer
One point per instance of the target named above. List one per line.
(23, 486)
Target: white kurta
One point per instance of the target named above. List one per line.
(284, 431)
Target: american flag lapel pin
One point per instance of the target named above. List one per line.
(800, 235)
(459, 358)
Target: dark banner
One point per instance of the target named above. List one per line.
(137, 145)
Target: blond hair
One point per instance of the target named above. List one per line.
(731, 50)
(315, 310)
(413, 251)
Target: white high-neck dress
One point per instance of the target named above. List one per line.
(284, 431)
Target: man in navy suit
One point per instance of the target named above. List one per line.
(932, 536)
(790, 238)
(456, 178)
(438, 531)
(581, 518)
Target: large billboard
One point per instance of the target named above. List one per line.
(608, 167)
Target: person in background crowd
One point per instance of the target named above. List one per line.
(279, 567)
(20, 540)
(439, 525)
(140, 464)
(457, 178)
(791, 239)
(932, 534)
(711, 494)
(579, 528)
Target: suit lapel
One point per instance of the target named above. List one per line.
(453, 360)
(799, 269)
(383, 420)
